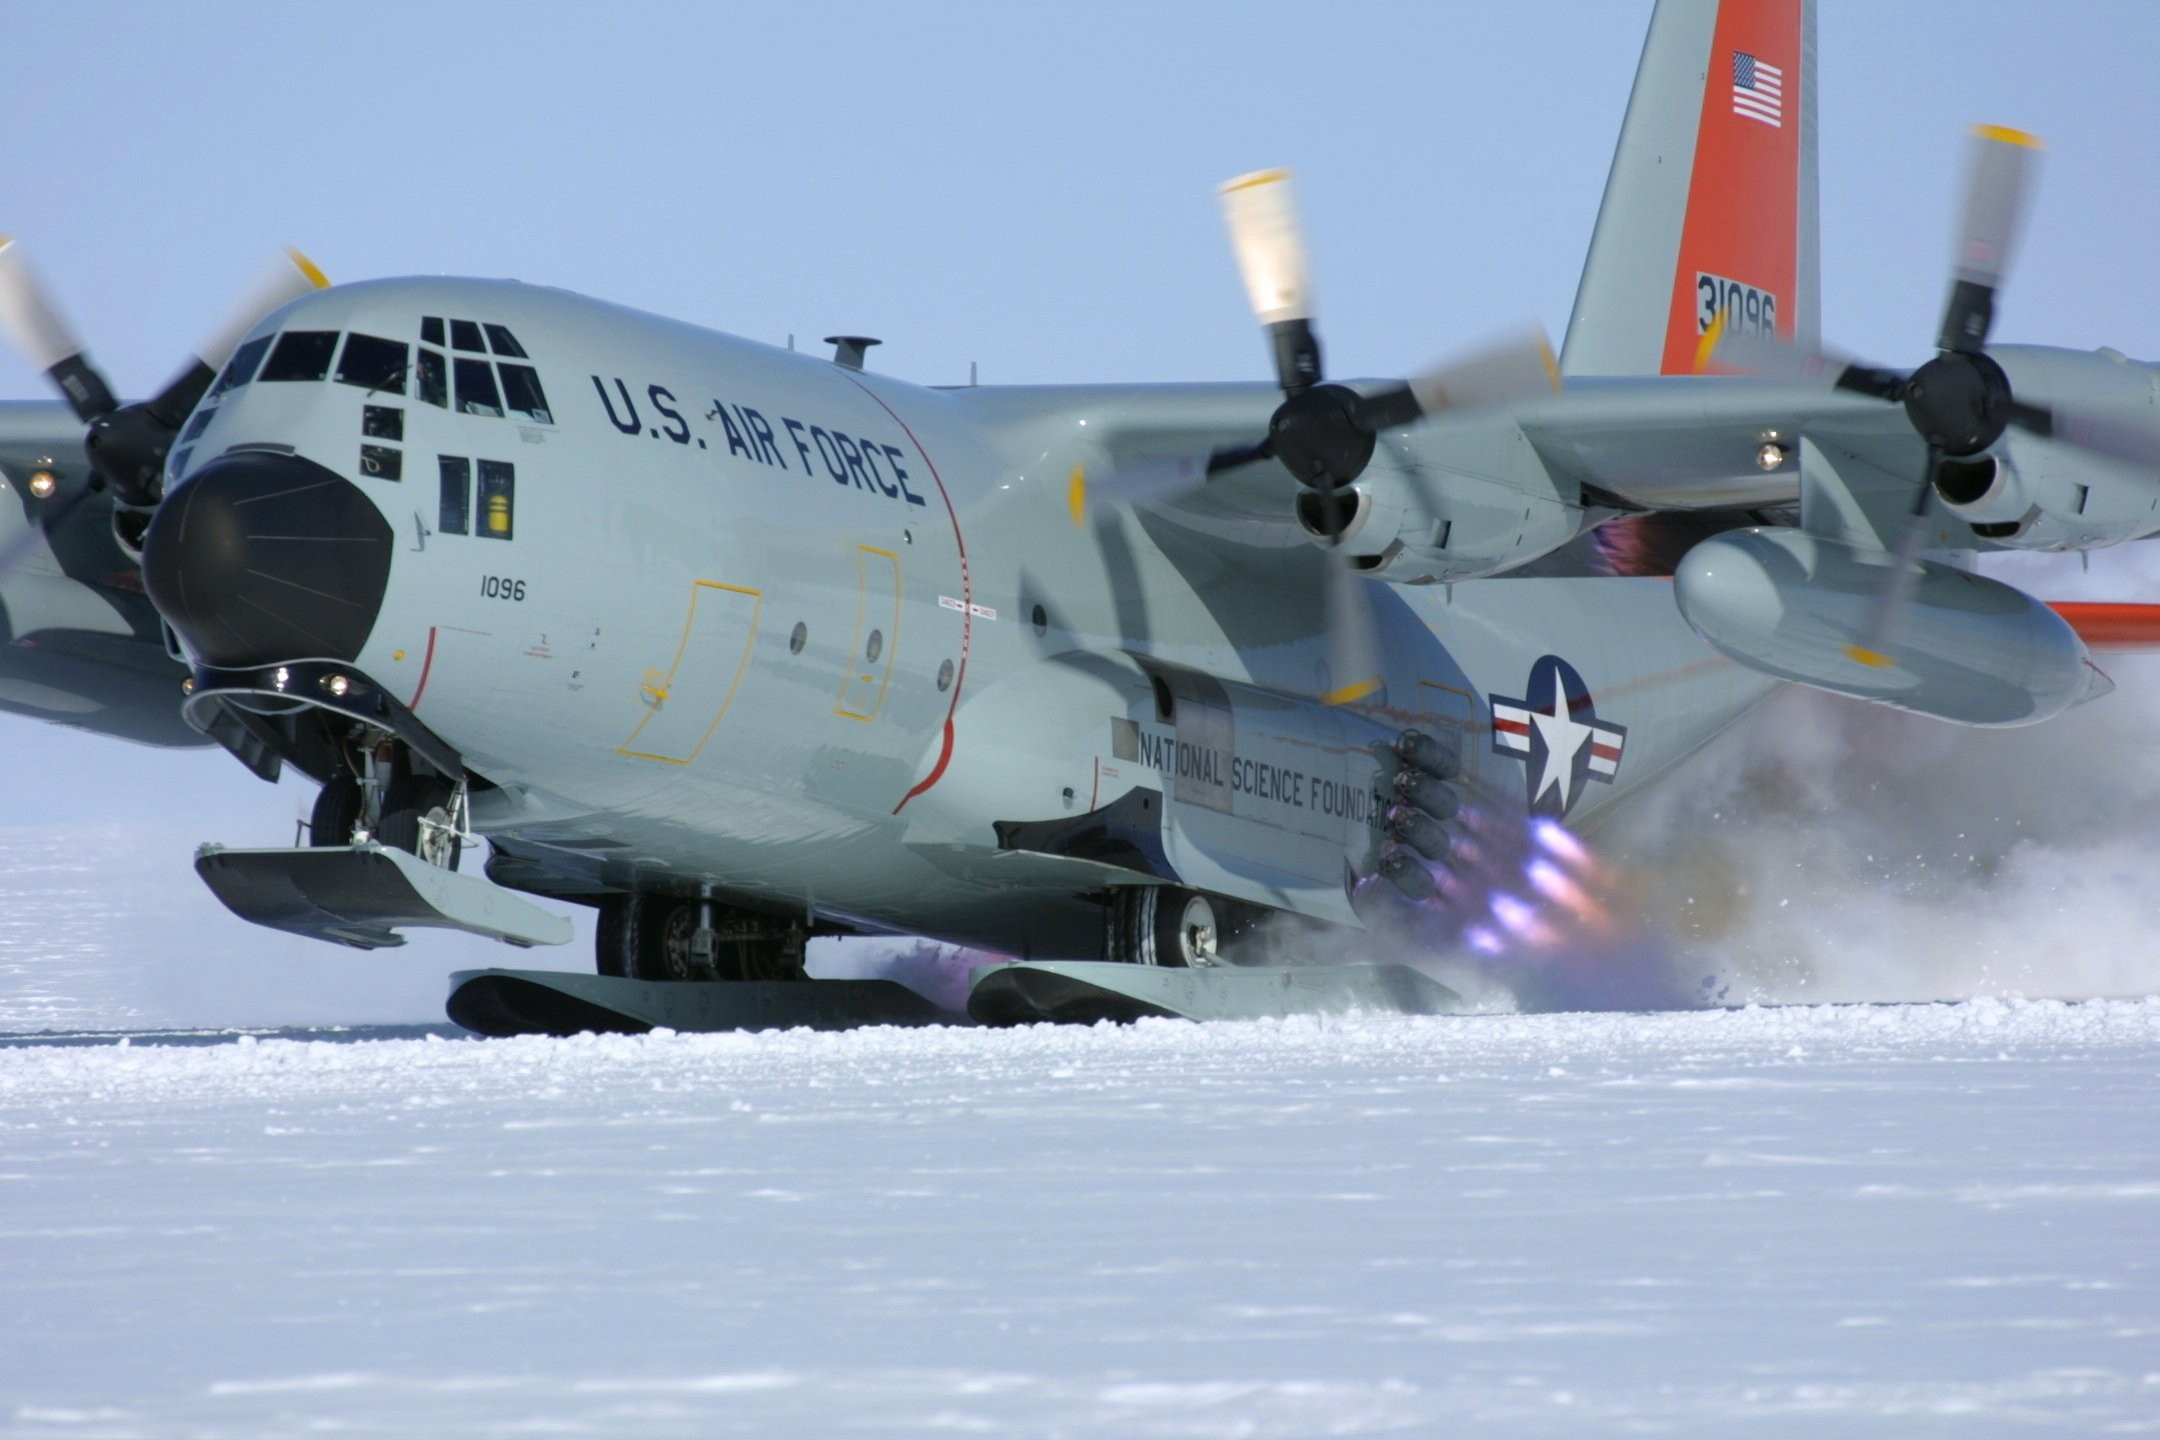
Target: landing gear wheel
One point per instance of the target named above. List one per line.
(337, 811)
(1164, 925)
(417, 818)
(669, 957)
(660, 933)
(1187, 932)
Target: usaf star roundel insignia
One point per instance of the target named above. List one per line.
(1556, 731)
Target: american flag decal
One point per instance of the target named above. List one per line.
(1758, 90)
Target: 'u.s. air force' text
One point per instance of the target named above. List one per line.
(1283, 784)
(868, 465)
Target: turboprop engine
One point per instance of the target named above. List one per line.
(1798, 606)
(1420, 522)
(2029, 493)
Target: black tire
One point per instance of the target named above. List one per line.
(1165, 925)
(406, 802)
(615, 939)
(336, 812)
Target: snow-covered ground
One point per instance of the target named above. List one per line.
(1925, 1220)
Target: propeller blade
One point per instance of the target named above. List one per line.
(1353, 654)
(1874, 648)
(1262, 218)
(1517, 367)
(281, 282)
(1997, 176)
(1772, 357)
(35, 327)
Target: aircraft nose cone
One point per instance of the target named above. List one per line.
(264, 557)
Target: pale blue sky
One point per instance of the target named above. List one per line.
(1026, 186)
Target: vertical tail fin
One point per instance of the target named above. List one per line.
(1710, 205)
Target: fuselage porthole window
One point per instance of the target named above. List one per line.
(431, 331)
(373, 363)
(476, 392)
(522, 392)
(200, 423)
(465, 335)
(456, 493)
(301, 355)
(241, 368)
(434, 377)
(502, 342)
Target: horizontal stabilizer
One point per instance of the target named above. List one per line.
(360, 895)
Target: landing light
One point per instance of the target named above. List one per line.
(279, 680)
(337, 685)
(43, 483)
(187, 684)
(1770, 457)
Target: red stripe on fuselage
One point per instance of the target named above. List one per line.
(426, 664)
(967, 599)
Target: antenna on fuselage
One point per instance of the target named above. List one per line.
(849, 350)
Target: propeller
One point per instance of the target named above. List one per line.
(127, 444)
(1960, 402)
(1325, 434)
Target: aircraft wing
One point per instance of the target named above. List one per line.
(1691, 443)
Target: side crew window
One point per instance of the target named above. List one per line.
(456, 494)
(241, 368)
(498, 492)
(502, 342)
(521, 389)
(301, 355)
(373, 363)
(476, 392)
(434, 377)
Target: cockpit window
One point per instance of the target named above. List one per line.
(465, 335)
(502, 342)
(431, 330)
(373, 363)
(434, 378)
(301, 355)
(476, 392)
(521, 388)
(241, 368)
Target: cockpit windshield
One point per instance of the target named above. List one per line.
(466, 382)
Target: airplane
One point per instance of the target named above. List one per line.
(742, 646)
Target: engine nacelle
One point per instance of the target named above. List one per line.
(2033, 492)
(1491, 507)
(1963, 647)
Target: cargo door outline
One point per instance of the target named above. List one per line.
(862, 692)
(708, 655)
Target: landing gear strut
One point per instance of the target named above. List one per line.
(660, 937)
(379, 795)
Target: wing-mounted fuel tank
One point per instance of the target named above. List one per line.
(1130, 771)
(1967, 648)
(1456, 501)
(2029, 492)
